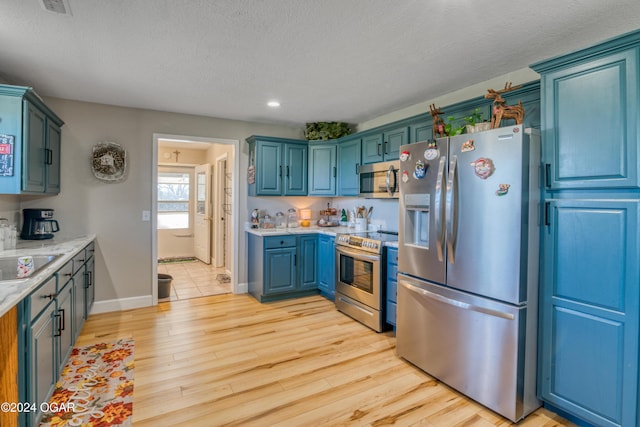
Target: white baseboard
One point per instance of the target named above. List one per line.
(121, 304)
(243, 288)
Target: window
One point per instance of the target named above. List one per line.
(173, 199)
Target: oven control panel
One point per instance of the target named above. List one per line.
(362, 243)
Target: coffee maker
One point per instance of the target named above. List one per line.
(38, 224)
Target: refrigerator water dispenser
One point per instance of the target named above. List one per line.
(416, 221)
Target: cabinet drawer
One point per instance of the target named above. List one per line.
(391, 313)
(79, 260)
(41, 297)
(64, 274)
(392, 290)
(279, 242)
(392, 256)
(89, 250)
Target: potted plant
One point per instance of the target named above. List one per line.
(326, 130)
(450, 129)
(474, 122)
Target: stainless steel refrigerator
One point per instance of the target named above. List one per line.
(468, 264)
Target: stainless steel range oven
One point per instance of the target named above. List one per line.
(360, 272)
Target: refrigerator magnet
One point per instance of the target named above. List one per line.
(502, 189)
(405, 176)
(420, 170)
(467, 146)
(431, 152)
(404, 156)
(483, 167)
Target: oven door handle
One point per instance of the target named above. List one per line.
(357, 254)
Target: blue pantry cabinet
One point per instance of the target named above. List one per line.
(32, 164)
(590, 297)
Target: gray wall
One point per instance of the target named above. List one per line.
(113, 210)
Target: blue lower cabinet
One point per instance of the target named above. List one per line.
(282, 266)
(392, 285)
(589, 310)
(327, 266)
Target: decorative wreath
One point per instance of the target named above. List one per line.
(108, 161)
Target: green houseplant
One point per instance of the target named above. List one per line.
(326, 130)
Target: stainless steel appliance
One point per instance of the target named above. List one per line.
(360, 261)
(468, 264)
(38, 224)
(379, 180)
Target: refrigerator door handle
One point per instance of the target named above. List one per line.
(438, 209)
(451, 212)
(456, 303)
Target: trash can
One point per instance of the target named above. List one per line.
(164, 285)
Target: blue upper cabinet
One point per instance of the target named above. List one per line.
(31, 163)
(384, 146)
(323, 168)
(349, 158)
(590, 119)
(277, 166)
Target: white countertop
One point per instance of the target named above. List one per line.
(331, 231)
(14, 291)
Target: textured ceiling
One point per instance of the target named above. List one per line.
(344, 60)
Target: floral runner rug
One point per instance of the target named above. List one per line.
(95, 388)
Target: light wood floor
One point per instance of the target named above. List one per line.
(228, 360)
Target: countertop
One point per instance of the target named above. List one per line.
(14, 291)
(331, 231)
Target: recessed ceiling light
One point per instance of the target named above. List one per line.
(273, 104)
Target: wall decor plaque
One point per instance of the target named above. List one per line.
(108, 161)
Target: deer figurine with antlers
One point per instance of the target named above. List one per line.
(501, 111)
(438, 123)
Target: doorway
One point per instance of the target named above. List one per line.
(212, 209)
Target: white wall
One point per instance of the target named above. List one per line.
(113, 210)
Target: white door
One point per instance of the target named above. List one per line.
(223, 194)
(202, 226)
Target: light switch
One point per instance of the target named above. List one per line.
(146, 215)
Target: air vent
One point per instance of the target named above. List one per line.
(56, 6)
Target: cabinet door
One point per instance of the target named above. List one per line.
(327, 266)
(590, 114)
(349, 153)
(295, 170)
(421, 132)
(52, 158)
(372, 149)
(393, 139)
(78, 302)
(33, 161)
(307, 262)
(64, 327)
(322, 169)
(42, 370)
(589, 310)
(268, 168)
(280, 270)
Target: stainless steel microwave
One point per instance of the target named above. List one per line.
(379, 180)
